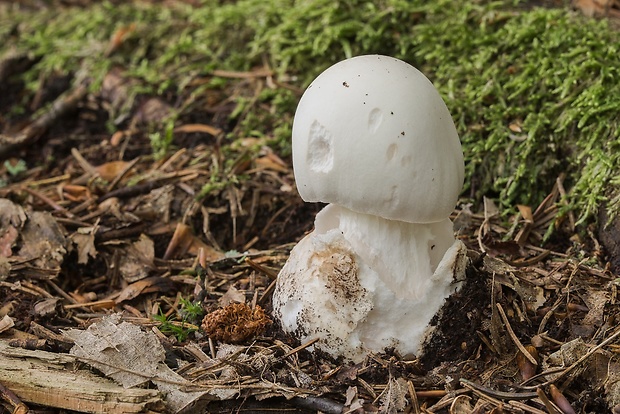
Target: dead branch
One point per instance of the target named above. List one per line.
(31, 133)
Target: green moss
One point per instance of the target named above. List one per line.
(534, 92)
(553, 72)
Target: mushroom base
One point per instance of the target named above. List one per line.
(362, 283)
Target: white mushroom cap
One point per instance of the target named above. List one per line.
(372, 134)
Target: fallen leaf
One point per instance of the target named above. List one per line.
(110, 170)
(495, 247)
(76, 193)
(6, 323)
(11, 214)
(113, 206)
(85, 243)
(393, 397)
(183, 241)
(12, 218)
(271, 161)
(352, 403)
(595, 300)
(461, 405)
(131, 357)
(148, 285)
(42, 241)
(5, 268)
(137, 261)
(116, 138)
(7, 241)
(526, 212)
(46, 307)
(115, 89)
(348, 373)
(232, 295)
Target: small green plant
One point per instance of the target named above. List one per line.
(168, 327)
(191, 311)
(161, 142)
(16, 169)
(191, 314)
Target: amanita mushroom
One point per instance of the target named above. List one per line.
(372, 137)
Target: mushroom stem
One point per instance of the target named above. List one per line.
(405, 256)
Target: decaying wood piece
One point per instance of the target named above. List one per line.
(52, 380)
(61, 106)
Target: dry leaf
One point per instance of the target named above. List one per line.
(137, 261)
(232, 295)
(11, 214)
(183, 241)
(116, 138)
(495, 247)
(115, 89)
(5, 268)
(6, 323)
(76, 193)
(131, 357)
(461, 405)
(271, 161)
(43, 241)
(12, 218)
(7, 241)
(85, 243)
(113, 206)
(568, 354)
(353, 404)
(46, 307)
(595, 300)
(526, 367)
(393, 397)
(110, 170)
(526, 212)
(148, 285)
(156, 205)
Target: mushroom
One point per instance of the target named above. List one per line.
(372, 137)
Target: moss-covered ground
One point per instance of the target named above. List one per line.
(534, 91)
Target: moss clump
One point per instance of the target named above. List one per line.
(535, 94)
(533, 91)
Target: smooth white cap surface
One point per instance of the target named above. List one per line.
(372, 134)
